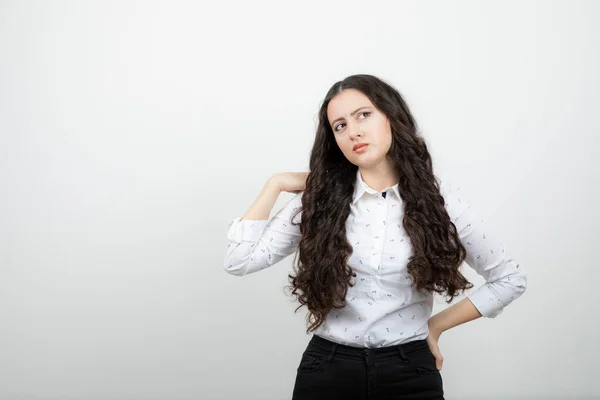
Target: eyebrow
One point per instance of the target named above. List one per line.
(351, 114)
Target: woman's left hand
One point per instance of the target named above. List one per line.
(432, 341)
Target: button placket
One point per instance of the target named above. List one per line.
(379, 240)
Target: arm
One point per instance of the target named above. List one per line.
(254, 242)
(456, 314)
(261, 208)
(505, 279)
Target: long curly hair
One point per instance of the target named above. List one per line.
(322, 273)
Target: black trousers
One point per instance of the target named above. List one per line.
(329, 370)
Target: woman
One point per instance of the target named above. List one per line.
(376, 235)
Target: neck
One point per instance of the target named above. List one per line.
(379, 177)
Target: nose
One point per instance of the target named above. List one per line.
(353, 131)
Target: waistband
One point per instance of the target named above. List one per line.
(325, 345)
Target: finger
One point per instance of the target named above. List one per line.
(439, 361)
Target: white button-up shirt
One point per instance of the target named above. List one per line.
(382, 309)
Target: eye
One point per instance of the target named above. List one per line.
(336, 127)
(366, 113)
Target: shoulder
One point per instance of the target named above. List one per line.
(454, 200)
(448, 187)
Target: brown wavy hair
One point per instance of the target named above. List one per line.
(322, 273)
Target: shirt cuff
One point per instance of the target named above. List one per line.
(245, 230)
(486, 301)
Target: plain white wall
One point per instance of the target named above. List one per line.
(132, 132)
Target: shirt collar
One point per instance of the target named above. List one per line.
(360, 188)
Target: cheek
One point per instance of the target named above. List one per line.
(344, 145)
(386, 138)
(388, 141)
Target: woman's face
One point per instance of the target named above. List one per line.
(355, 121)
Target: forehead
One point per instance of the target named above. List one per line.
(346, 102)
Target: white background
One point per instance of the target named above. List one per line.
(132, 132)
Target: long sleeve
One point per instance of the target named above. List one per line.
(505, 279)
(256, 245)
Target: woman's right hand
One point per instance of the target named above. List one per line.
(293, 182)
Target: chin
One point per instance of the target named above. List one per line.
(364, 162)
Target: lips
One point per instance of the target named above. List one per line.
(359, 146)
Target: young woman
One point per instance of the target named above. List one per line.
(376, 236)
